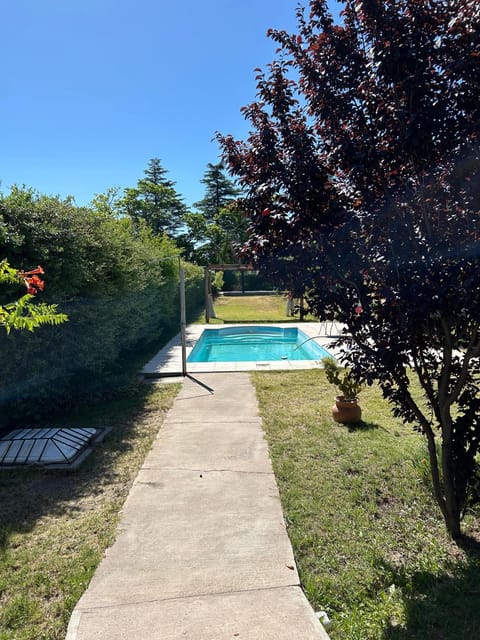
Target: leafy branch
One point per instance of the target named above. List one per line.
(23, 314)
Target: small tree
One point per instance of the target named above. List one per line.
(362, 181)
(217, 241)
(217, 229)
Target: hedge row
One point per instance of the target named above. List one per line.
(118, 284)
(55, 366)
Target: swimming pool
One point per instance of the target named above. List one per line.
(255, 344)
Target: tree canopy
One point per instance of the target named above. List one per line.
(154, 200)
(219, 191)
(362, 186)
(218, 228)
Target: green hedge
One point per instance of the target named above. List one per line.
(57, 366)
(117, 281)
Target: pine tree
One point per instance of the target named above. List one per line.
(220, 191)
(154, 200)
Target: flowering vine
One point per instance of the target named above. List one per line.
(22, 313)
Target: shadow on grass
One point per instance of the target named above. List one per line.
(26, 495)
(361, 426)
(445, 607)
(471, 546)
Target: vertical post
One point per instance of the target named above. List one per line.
(207, 295)
(302, 309)
(183, 319)
(242, 278)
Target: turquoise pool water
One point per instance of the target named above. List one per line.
(255, 344)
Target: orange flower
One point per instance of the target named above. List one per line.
(33, 272)
(33, 283)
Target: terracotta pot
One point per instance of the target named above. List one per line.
(346, 411)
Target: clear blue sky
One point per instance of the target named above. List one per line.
(92, 89)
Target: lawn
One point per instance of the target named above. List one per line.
(250, 309)
(55, 526)
(368, 539)
(369, 542)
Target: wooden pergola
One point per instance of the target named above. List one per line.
(209, 313)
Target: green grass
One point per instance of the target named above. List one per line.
(55, 526)
(368, 539)
(250, 309)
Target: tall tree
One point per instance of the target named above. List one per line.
(220, 190)
(216, 242)
(156, 173)
(215, 232)
(362, 182)
(154, 200)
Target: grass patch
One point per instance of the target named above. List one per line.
(251, 309)
(369, 541)
(55, 526)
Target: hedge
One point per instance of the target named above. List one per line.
(117, 281)
(55, 366)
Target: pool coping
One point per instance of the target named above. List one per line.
(168, 361)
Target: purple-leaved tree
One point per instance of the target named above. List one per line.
(362, 183)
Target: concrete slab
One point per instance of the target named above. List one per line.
(232, 398)
(202, 550)
(189, 533)
(274, 614)
(238, 447)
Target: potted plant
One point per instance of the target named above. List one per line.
(346, 408)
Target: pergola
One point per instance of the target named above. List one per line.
(209, 312)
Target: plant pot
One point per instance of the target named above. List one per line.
(346, 411)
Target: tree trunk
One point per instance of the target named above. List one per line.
(452, 500)
(444, 492)
(452, 522)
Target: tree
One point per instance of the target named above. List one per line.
(215, 232)
(362, 183)
(217, 241)
(220, 191)
(154, 200)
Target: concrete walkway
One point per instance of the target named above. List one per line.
(201, 552)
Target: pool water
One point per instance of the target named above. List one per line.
(254, 344)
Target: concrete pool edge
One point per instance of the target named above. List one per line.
(168, 361)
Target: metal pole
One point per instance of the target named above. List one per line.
(207, 294)
(183, 319)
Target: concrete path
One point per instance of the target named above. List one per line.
(201, 552)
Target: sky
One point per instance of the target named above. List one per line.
(93, 89)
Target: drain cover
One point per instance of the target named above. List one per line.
(48, 446)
